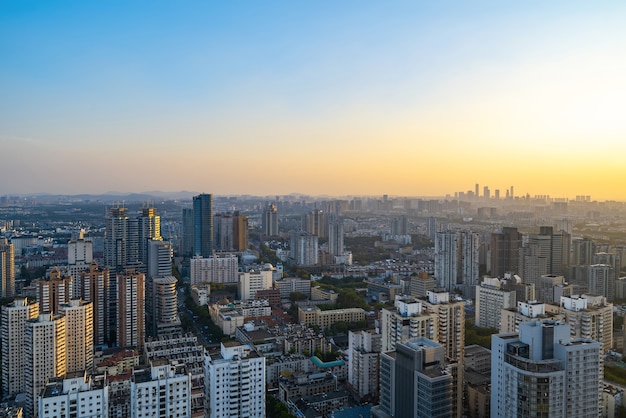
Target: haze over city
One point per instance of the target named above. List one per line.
(337, 98)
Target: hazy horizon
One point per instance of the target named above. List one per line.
(319, 98)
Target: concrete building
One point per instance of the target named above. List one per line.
(542, 372)
(44, 355)
(79, 255)
(7, 268)
(589, 317)
(293, 284)
(490, 300)
(159, 258)
(215, 269)
(510, 319)
(405, 321)
(235, 382)
(164, 313)
(77, 396)
(457, 261)
(161, 391)
(130, 309)
(270, 221)
(335, 238)
(505, 247)
(323, 319)
(79, 336)
(95, 288)
(304, 248)
(184, 350)
(415, 382)
(54, 291)
(14, 317)
(364, 353)
(252, 281)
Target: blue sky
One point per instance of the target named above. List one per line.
(404, 98)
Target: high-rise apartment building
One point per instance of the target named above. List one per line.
(542, 372)
(399, 225)
(222, 268)
(130, 309)
(505, 247)
(55, 290)
(335, 238)
(491, 298)
(252, 281)
(270, 221)
(79, 255)
(149, 229)
(316, 223)
(589, 317)
(546, 253)
(235, 382)
(456, 261)
(78, 335)
(7, 268)
(44, 355)
(203, 225)
(450, 331)
(364, 349)
(304, 248)
(14, 317)
(79, 396)
(223, 228)
(163, 313)
(240, 232)
(405, 321)
(116, 238)
(163, 391)
(95, 284)
(159, 259)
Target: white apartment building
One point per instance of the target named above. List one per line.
(252, 281)
(490, 300)
(542, 372)
(235, 382)
(405, 322)
(216, 269)
(363, 366)
(81, 396)
(163, 391)
(14, 317)
(589, 316)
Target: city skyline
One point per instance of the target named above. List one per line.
(317, 98)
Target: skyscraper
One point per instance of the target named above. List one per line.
(79, 254)
(95, 288)
(130, 308)
(14, 317)
(542, 372)
(149, 229)
(203, 225)
(7, 268)
(45, 356)
(162, 313)
(188, 227)
(240, 232)
(270, 221)
(456, 260)
(335, 238)
(79, 335)
(316, 223)
(399, 225)
(56, 290)
(505, 247)
(304, 248)
(116, 238)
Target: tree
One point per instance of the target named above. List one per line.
(297, 296)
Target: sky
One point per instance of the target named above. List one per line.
(317, 97)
